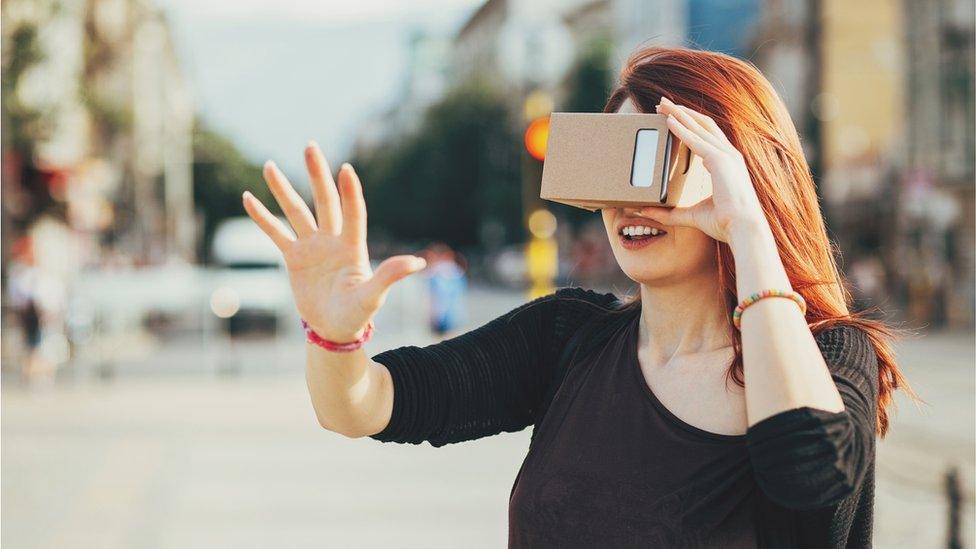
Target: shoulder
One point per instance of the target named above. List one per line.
(576, 296)
(571, 301)
(585, 309)
(563, 306)
(565, 310)
(576, 306)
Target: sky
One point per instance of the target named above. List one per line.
(273, 74)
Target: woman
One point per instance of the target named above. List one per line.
(664, 421)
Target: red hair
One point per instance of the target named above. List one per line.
(746, 107)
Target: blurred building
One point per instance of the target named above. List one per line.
(477, 44)
(427, 79)
(529, 44)
(939, 156)
(114, 133)
(97, 141)
(882, 93)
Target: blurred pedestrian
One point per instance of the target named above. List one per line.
(23, 287)
(447, 283)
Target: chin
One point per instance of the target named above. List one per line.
(649, 270)
(656, 268)
(651, 277)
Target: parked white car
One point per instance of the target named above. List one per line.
(250, 285)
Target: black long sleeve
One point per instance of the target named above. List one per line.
(807, 458)
(485, 381)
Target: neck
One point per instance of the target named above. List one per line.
(683, 318)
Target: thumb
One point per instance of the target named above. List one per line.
(676, 216)
(393, 269)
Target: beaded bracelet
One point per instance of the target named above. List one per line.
(790, 294)
(316, 339)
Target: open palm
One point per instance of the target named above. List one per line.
(334, 286)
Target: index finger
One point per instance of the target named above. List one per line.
(707, 122)
(683, 114)
(692, 139)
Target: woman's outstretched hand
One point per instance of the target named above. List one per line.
(734, 202)
(335, 289)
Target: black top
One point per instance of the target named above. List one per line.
(609, 465)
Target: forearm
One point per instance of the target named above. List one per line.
(783, 366)
(351, 394)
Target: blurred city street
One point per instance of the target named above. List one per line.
(153, 388)
(169, 452)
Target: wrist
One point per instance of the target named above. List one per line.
(341, 343)
(333, 334)
(758, 264)
(750, 233)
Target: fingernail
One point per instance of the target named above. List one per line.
(666, 100)
(313, 145)
(246, 194)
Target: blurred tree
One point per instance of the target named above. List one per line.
(220, 175)
(457, 177)
(22, 127)
(452, 178)
(589, 82)
(20, 53)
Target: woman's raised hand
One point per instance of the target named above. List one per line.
(335, 289)
(734, 202)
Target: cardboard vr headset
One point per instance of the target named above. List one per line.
(596, 160)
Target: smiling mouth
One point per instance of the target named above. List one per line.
(641, 233)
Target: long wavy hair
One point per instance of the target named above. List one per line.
(747, 108)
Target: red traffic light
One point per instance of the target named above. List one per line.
(536, 137)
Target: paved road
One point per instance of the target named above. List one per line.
(167, 454)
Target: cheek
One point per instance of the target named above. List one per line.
(693, 249)
(608, 218)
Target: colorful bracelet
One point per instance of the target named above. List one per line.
(790, 294)
(316, 339)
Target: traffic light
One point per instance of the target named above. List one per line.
(536, 137)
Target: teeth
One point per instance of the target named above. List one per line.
(638, 230)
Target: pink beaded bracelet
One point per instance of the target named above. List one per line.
(316, 339)
(790, 294)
